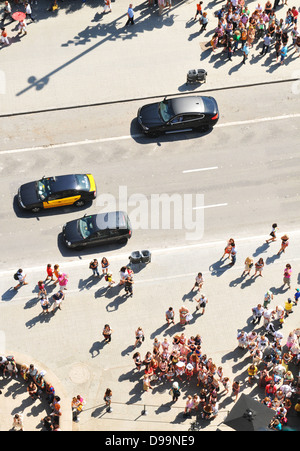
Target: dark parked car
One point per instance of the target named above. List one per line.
(94, 230)
(50, 192)
(178, 114)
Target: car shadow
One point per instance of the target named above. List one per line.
(140, 138)
(26, 214)
(90, 250)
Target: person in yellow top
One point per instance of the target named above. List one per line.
(288, 307)
(252, 372)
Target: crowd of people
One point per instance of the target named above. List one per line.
(37, 388)
(238, 28)
(181, 360)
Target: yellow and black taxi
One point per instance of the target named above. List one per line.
(60, 191)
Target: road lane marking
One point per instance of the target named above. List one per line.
(187, 171)
(140, 135)
(209, 206)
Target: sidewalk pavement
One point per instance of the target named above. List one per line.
(79, 56)
(70, 342)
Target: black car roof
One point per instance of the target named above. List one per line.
(111, 220)
(62, 182)
(190, 104)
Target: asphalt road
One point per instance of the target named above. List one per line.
(246, 170)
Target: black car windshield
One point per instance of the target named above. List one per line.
(86, 226)
(44, 188)
(165, 110)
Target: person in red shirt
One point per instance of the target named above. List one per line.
(270, 390)
(295, 14)
(199, 10)
(4, 38)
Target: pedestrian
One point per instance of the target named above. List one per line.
(41, 287)
(284, 244)
(198, 281)
(45, 304)
(107, 399)
(76, 406)
(268, 298)
(18, 422)
(183, 312)
(170, 316)
(214, 41)
(10, 367)
(137, 360)
(47, 423)
(198, 9)
(227, 250)
(175, 392)
(259, 266)
(201, 303)
(257, 313)
(28, 12)
(268, 315)
(236, 39)
(107, 331)
(6, 12)
(287, 275)
(295, 14)
(242, 340)
(57, 298)
(283, 53)
(109, 279)
(266, 44)
(252, 373)
(203, 22)
(236, 389)
(139, 337)
(22, 27)
(161, 5)
(245, 51)
(63, 280)
(277, 47)
(130, 15)
(4, 38)
(49, 272)
(229, 54)
(56, 273)
(104, 265)
(129, 286)
(250, 35)
(297, 46)
(288, 307)
(21, 278)
(248, 266)
(297, 296)
(189, 405)
(107, 6)
(32, 390)
(233, 255)
(94, 267)
(147, 383)
(123, 275)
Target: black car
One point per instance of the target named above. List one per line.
(94, 230)
(178, 114)
(50, 192)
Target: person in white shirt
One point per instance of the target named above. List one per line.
(6, 12)
(22, 27)
(29, 12)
